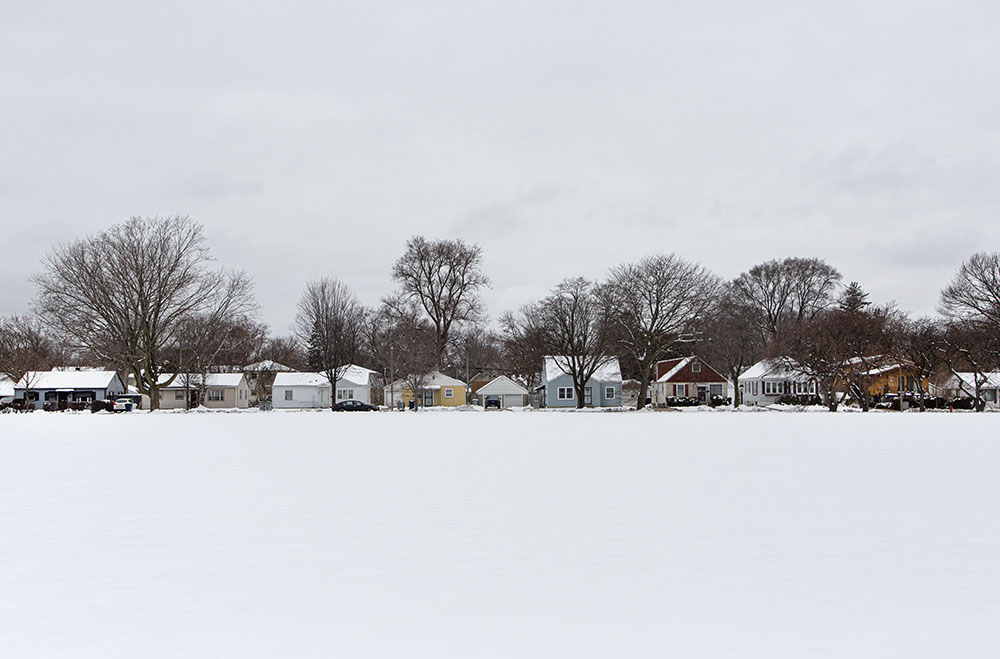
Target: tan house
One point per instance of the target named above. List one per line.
(222, 391)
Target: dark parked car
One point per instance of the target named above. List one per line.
(354, 406)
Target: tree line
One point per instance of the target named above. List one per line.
(145, 298)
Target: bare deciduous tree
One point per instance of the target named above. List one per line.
(971, 347)
(404, 346)
(654, 303)
(974, 293)
(124, 294)
(921, 344)
(731, 338)
(25, 348)
(791, 289)
(330, 321)
(444, 277)
(573, 324)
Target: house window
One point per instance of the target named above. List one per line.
(680, 390)
(288, 394)
(812, 387)
(449, 393)
(178, 395)
(696, 367)
(564, 393)
(51, 395)
(754, 387)
(715, 389)
(345, 394)
(32, 395)
(609, 393)
(215, 395)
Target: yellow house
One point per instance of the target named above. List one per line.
(887, 378)
(438, 390)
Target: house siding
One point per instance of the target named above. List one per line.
(598, 388)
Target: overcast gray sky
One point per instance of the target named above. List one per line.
(314, 138)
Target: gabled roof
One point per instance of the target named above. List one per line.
(501, 385)
(774, 367)
(676, 367)
(268, 365)
(434, 380)
(969, 379)
(216, 380)
(300, 380)
(67, 380)
(609, 370)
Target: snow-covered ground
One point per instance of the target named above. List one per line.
(500, 535)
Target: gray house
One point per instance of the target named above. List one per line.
(604, 389)
(59, 388)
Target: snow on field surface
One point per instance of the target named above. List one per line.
(499, 535)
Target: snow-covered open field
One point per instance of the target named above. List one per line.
(500, 535)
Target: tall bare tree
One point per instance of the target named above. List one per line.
(330, 321)
(403, 345)
(730, 337)
(444, 277)
(25, 348)
(124, 294)
(974, 293)
(574, 325)
(206, 344)
(921, 343)
(655, 303)
(791, 289)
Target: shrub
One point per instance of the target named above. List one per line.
(100, 405)
(799, 399)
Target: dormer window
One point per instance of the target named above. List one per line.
(696, 367)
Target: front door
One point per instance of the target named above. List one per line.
(588, 396)
(702, 393)
(428, 399)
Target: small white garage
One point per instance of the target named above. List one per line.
(502, 392)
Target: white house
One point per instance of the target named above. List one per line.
(963, 385)
(6, 390)
(313, 390)
(770, 379)
(502, 392)
(59, 388)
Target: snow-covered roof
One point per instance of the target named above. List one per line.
(268, 365)
(356, 375)
(300, 380)
(434, 380)
(67, 379)
(681, 363)
(609, 370)
(969, 379)
(216, 380)
(501, 385)
(774, 367)
(6, 387)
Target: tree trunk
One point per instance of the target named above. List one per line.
(579, 393)
(647, 373)
(154, 397)
(736, 388)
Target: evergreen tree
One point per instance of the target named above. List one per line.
(315, 354)
(854, 298)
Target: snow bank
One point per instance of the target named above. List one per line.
(499, 535)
